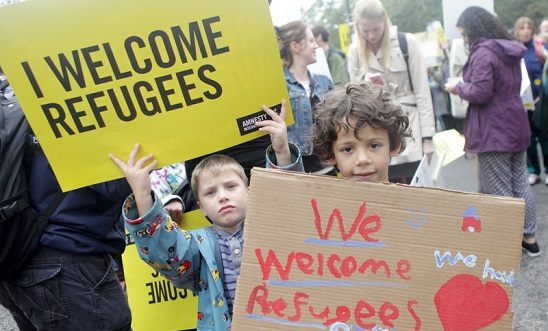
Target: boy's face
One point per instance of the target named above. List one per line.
(223, 198)
(364, 159)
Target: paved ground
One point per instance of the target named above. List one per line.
(531, 293)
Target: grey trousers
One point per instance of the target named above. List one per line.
(506, 174)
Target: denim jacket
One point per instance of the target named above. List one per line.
(300, 133)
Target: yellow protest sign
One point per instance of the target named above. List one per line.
(150, 295)
(450, 143)
(183, 78)
(345, 37)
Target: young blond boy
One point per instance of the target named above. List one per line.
(207, 260)
(357, 129)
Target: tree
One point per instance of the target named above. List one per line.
(413, 16)
(329, 13)
(509, 11)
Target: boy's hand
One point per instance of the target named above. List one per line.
(138, 177)
(175, 209)
(278, 134)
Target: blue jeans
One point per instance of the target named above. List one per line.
(62, 291)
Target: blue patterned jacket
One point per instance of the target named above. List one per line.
(189, 259)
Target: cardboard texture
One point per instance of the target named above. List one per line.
(333, 254)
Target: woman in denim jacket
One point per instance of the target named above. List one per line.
(298, 50)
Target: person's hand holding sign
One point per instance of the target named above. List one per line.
(277, 129)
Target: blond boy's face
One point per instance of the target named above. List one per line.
(223, 198)
(365, 158)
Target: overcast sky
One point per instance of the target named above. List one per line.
(284, 11)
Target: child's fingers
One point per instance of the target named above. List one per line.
(283, 111)
(269, 111)
(118, 162)
(266, 123)
(142, 161)
(151, 166)
(133, 155)
(266, 128)
(275, 117)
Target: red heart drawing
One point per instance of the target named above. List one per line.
(464, 303)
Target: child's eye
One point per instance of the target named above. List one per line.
(375, 145)
(209, 193)
(346, 149)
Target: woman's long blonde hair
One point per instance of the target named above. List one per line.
(372, 9)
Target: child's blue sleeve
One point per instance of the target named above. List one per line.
(162, 244)
(297, 164)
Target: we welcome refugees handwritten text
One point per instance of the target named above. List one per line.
(336, 269)
(343, 255)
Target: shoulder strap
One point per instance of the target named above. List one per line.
(402, 40)
(31, 148)
(55, 202)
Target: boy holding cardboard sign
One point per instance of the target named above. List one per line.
(206, 261)
(358, 129)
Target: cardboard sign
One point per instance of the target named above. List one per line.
(336, 254)
(182, 78)
(151, 295)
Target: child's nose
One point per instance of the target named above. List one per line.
(363, 157)
(223, 195)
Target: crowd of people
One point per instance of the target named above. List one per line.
(373, 120)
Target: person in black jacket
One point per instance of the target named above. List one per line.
(70, 283)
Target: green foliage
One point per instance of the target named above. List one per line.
(510, 10)
(329, 13)
(412, 15)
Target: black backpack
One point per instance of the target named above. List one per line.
(402, 40)
(20, 225)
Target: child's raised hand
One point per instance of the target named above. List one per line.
(138, 176)
(278, 134)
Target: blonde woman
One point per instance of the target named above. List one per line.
(376, 55)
